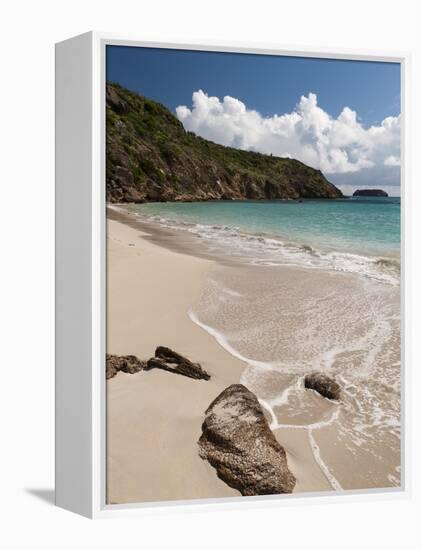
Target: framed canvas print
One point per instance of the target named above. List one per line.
(230, 291)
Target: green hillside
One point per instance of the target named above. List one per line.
(150, 157)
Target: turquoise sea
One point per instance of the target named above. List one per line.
(353, 234)
(312, 285)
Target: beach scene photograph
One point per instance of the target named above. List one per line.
(253, 275)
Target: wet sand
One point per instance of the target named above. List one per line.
(154, 418)
(286, 322)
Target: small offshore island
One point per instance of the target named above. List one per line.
(370, 193)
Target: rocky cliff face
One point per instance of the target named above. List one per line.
(150, 157)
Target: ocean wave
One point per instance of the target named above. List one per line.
(262, 249)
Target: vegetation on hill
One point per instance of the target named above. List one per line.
(151, 157)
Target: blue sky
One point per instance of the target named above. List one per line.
(274, 85)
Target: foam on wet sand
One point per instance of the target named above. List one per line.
(160, 296)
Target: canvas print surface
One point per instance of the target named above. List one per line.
(253, 275)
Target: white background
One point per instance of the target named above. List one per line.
(28, 32)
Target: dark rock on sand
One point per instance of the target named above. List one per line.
(131, 364)
(169, 360)
(112, 365)
(323, 384)
(239, 444)
(125, 363)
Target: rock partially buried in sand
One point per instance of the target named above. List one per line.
(131, 364)
(323, 384)
(239, 444)
(169, 360)
(125, 363)
(112, 365)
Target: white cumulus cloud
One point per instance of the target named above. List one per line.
(339, 145)
(392, 161)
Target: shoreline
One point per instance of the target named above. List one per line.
(152, 309)
(231, 245)
(163, 237)
(135, 419)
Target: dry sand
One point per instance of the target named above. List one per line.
(154, 418)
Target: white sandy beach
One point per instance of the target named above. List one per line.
(154, 418)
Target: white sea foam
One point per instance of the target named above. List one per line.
(334, 483)
(222, 341)
(367, 419)
(312, 426)
(370, 401)
(261, 249)
(369, 409)
(283, 397)
(315, 449)
(280, 400)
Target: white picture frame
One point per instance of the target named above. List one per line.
(81, 277)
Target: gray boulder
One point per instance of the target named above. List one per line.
(237, 441)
